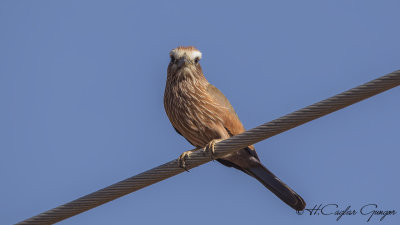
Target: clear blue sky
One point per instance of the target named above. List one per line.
(81, 94)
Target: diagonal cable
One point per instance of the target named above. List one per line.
(222, 148)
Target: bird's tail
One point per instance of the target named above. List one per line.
(274, 184)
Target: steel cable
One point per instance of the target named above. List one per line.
(222, 148)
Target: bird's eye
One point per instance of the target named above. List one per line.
(196, 60)
(172, 58)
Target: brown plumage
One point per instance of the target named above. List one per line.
(201, 113)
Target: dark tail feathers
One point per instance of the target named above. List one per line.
(280, 189)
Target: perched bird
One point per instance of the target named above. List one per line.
(202, 114)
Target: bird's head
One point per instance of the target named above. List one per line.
(185, 62)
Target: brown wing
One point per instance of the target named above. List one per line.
(231, 121)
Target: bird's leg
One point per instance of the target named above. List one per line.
(211, 146)
(182, 158)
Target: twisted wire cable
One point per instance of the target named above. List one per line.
(222, 148)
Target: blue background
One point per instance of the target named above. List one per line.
(81, 94)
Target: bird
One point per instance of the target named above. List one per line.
(203, 116)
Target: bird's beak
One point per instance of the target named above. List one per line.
(183, 61)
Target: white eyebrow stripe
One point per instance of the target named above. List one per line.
(195, 54)
(192, 54)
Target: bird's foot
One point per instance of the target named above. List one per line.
(182, 158)
(211, 147)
